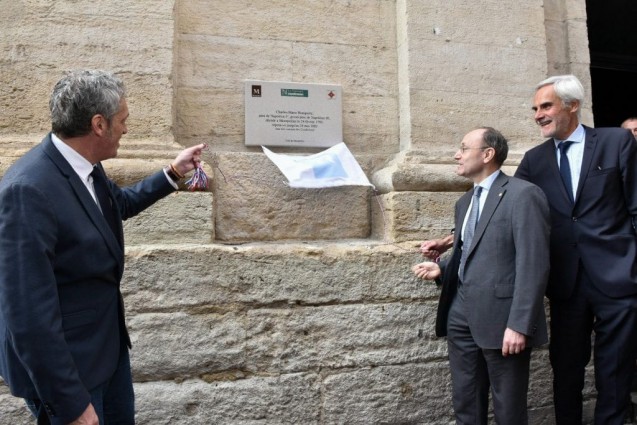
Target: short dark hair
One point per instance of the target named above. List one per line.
(494, 139)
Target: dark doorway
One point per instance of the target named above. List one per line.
(612, 37)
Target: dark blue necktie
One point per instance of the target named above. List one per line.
(104, 199)
(469, 230)
(565, 168)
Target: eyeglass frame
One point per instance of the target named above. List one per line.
(462, 149)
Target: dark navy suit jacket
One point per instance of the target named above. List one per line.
(61, 311)
(597, 230)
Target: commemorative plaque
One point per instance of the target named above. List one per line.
(292, 114)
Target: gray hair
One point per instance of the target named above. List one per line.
(568, 88)
(494, 139)
(79, 96)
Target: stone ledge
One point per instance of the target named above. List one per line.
(414, 172)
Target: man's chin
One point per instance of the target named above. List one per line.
(547, 133)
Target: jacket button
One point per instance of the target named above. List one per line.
(49, 409)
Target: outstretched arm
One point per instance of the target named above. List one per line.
(427, 270)
(434, 248)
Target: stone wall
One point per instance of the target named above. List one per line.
(257, 303)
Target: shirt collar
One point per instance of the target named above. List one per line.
(576, 136)
(80, 165)
(488, 182)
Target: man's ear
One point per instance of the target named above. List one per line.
(99, 124)
(574, 106)
(489, 155)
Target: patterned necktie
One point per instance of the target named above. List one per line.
(102, 193)
(469, 229)
(565, 168)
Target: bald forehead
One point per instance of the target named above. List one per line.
(474, 137)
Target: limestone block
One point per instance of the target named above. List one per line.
(181, 217)
(362, 22)
(218, 278)
(520, 22)
(438, 123)
(426, 177)
(253, 203)
(336, 337)
(474, 68)
(414, 216)
(413, 172)
(391, 393)
(273, 341)
(180, 346)
(370, 125)
(223, 63)
(368, 70)
(257, 399)
(43, 40)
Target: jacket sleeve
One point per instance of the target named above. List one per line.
(531, 230)
(136, 198)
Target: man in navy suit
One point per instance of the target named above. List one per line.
(63, 339)
(589, 177)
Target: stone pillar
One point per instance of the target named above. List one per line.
(464, 65)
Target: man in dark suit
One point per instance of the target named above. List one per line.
(63, 340)
(491, 304)
(589, 177)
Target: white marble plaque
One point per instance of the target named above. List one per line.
(292, 114)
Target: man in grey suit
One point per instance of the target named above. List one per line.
(491, 306)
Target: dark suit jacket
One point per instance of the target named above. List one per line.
(507, 268)
(597, 231)
(61, 312)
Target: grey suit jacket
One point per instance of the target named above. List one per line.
(507, 269)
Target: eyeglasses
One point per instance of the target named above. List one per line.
(464, 148)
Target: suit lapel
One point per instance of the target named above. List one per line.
(86, 200)
(589, 149)
(495, 195)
